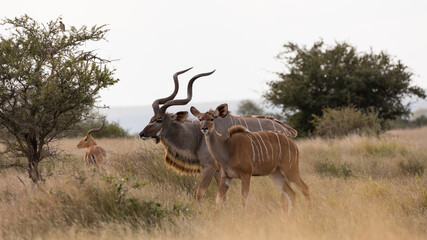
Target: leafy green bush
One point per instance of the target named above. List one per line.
(383, 148)
(405, 123)
(149, 164)
(345, 121)
(328, 168)
(111, 201)
(110, 130)
(11, 162)
(412, 167)
(420, 121)
(249, 107)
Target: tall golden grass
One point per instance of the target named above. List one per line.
(361, 188)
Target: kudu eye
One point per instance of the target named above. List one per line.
(212, 119)
(158, 120)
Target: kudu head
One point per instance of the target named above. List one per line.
(88, 140)
(161, 119)
(206, 119)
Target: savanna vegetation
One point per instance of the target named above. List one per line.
(249, 107)
(362, 187)
(323, 76)
(418, 119)
(345, 121)
(49, 82)
(110, 129)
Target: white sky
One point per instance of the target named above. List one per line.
(240, 39)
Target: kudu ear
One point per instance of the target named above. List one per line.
(180, 116)
(195, 112)
(221, 110)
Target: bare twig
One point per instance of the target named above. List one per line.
(21, 181)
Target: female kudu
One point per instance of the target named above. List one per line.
(244, 154)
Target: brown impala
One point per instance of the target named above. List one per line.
(185, 147)
(94, 155)
(242, 154)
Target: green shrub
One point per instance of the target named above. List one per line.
(110, 130)
(7, 162)
(383, 148)
(412, 167)
(149, 164)
(249, 107)
(376, 188)
(420, 121)
(424, 202)
(406, 123)
(112, 202)
(85, 201)
(328, 168)
(345, 121)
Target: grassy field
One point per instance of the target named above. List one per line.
(361, 188)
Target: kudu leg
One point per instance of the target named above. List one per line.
(217, 177)
(207, 175)
(246, 182)
(289, 194)
(223, 187)
(282, 184)
(296, 179)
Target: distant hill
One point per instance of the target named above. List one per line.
(135, 118)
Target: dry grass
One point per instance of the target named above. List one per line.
(415, 136)
(376, 200)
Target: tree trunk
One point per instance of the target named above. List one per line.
(33, 170)
(33, 157)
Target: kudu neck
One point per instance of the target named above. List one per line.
(181, 137)
(218, 146)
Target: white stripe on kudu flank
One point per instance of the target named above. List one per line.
(274, 125)
(252, 147)
(254, 144)
(240, 122)
(260, 126)
(246, 124)
(260, 147)
(262, 140)
(280, 146)
(256, 147)
(290, 159)
(271, 146)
